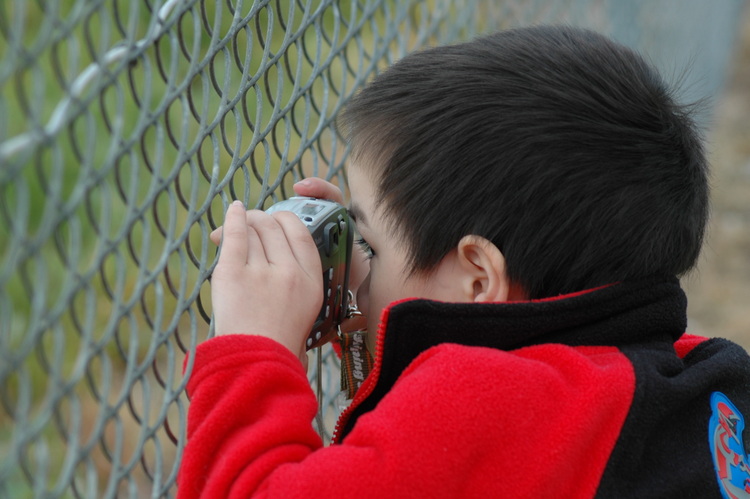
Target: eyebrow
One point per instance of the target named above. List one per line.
(357, 214)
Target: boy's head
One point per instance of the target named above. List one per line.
(564, 149)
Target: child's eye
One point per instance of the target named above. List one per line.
(365, 247)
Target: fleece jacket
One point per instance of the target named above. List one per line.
(594, 394)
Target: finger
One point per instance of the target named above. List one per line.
(318, 188)
(234, 248)
(301, 242)
(271, 237)
(255, 250)
(215, 235)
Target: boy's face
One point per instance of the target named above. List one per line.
(389, 278)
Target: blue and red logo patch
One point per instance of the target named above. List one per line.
(727, 446)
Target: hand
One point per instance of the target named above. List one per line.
(268, 280)
(318, 188)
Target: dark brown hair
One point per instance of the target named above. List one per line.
(565, 149)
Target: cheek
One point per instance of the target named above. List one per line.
(363, 296)
(363, 304)
(371, 300)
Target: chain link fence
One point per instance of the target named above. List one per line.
(126, 128)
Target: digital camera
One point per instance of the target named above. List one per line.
(332, 232)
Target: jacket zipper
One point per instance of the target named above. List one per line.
(368, 386)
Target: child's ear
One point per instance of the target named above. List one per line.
(484, 271)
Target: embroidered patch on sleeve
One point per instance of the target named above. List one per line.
(728, 448)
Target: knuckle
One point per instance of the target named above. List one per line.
(289, 219)
(261, 219)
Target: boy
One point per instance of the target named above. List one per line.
(526, 202)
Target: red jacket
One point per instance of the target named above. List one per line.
(580, 396)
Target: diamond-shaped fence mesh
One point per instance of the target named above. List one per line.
(126, 128)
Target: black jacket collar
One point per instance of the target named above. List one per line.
(616, 315)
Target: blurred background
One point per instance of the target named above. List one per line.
(719, 291)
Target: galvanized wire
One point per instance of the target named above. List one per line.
(126, 128)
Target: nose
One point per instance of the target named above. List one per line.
(363, 296)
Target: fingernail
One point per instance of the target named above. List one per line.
(303, 183)
(237, 202)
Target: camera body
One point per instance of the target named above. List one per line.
(332, 231)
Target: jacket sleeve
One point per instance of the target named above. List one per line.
(251, 409)
(460, 422)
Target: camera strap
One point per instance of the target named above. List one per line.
(356, 361)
